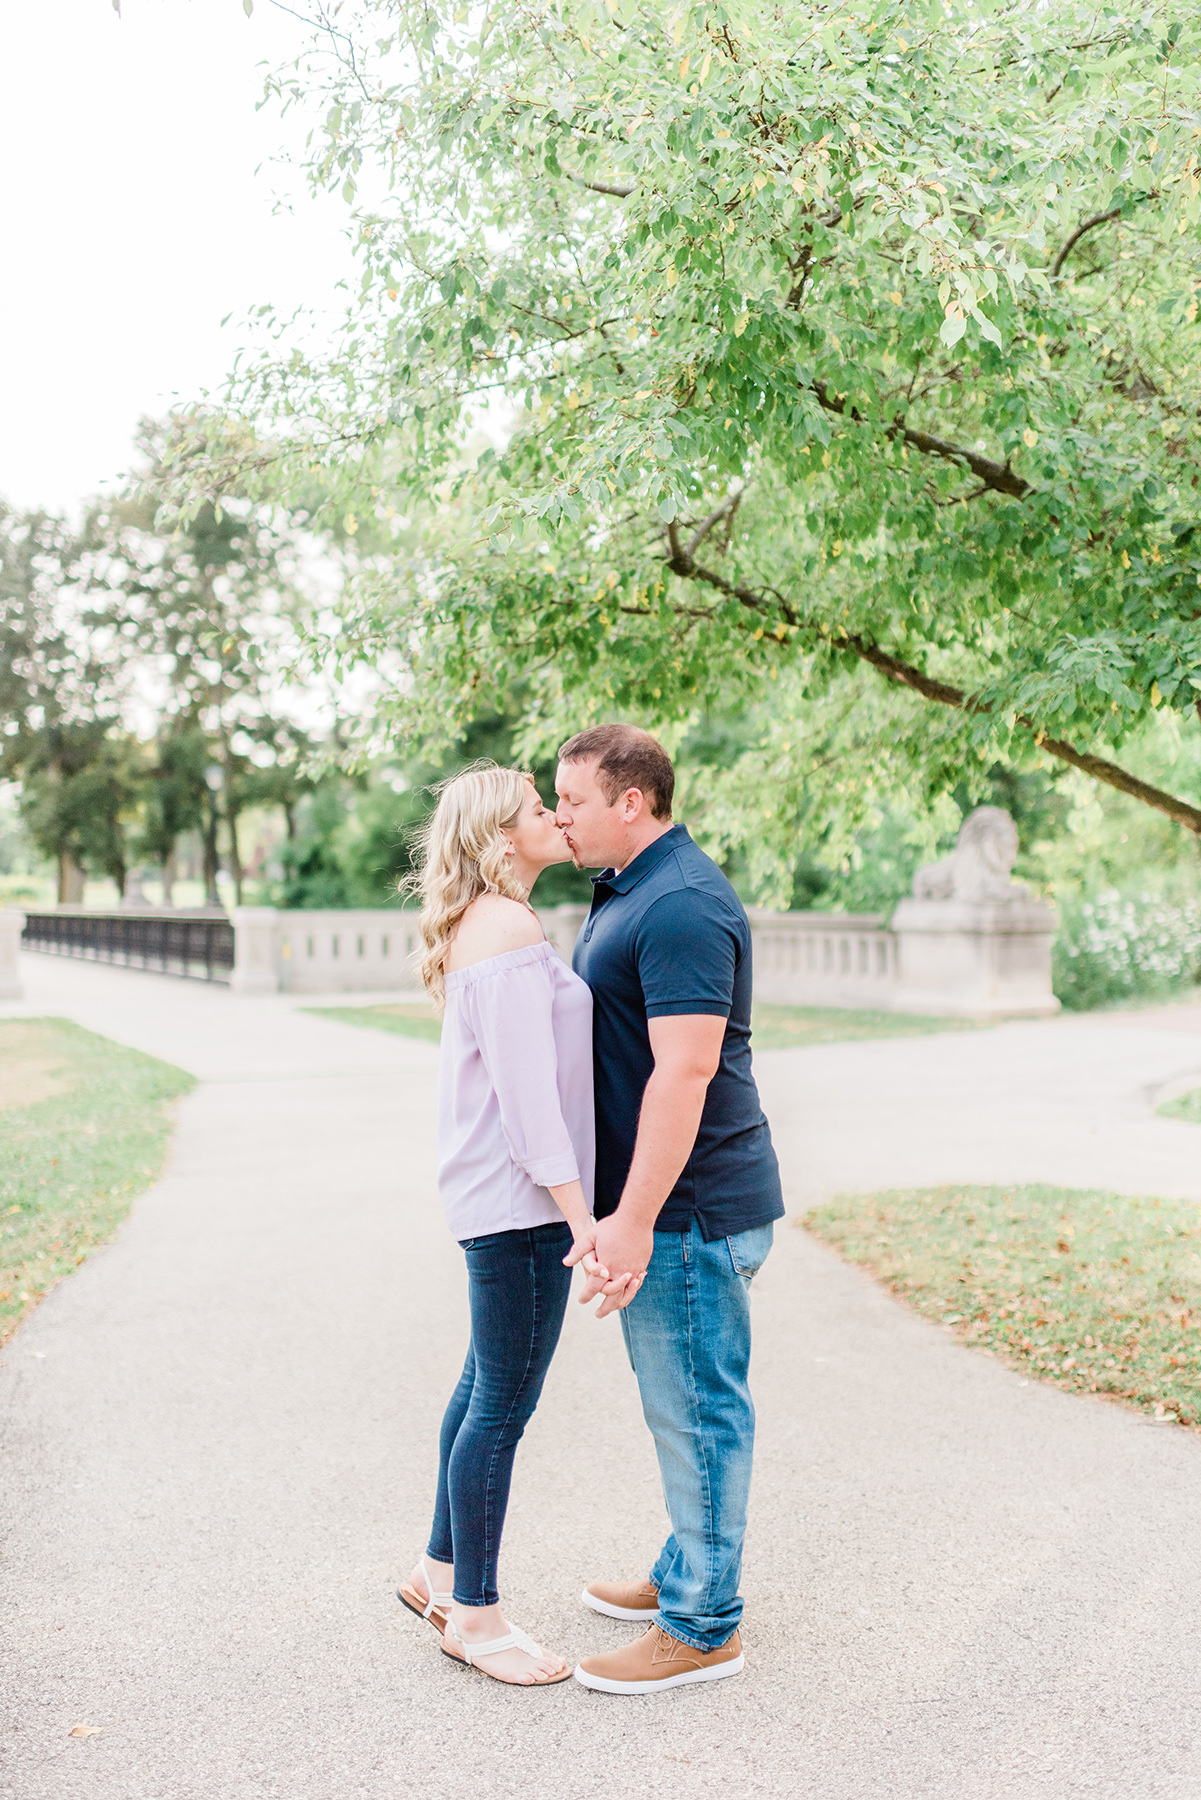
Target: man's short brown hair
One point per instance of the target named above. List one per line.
(625, 758)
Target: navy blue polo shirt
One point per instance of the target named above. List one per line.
(668, 936)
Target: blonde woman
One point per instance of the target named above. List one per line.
(515, 1166)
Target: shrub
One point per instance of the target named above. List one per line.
(1117, 947)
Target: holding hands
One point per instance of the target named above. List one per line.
(601, 1246)
(605, 1245)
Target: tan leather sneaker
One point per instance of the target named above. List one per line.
(657, 1660)
(637, 1600)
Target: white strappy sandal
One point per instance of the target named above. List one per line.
(436, 1609)
(513, 1640)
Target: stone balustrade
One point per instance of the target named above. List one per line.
(362, 951)
(970, 941)
(323, 952)
(824, 959)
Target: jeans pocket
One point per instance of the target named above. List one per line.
(748, 1250)
(466, 1243)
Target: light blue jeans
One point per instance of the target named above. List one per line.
(688, 1334)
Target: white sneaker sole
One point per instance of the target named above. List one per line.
(619, 1612)
(604, 1685)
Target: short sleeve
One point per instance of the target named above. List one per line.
(687, 946)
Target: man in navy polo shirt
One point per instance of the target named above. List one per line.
(687, 1188)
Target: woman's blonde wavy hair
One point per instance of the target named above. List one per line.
(460, 854)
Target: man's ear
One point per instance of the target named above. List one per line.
(633, 801)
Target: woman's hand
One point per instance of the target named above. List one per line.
(597, 1280)
(614, 1294)
(583, 1251)
(569, 1198)
(626, 1248)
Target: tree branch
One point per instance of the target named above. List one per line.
(998, 477)
(1096, 766)
(728, 507)
(942, 692)
(600, 187)
(1115, 212)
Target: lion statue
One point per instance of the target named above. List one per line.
(978, 868)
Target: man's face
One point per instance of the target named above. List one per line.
(595, 831)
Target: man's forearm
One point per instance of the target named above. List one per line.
(668, 1122)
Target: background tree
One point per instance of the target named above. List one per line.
(207, 605)
(60, 705)
(815, 345)
(146, 671)
(173, 800)
(81, 785)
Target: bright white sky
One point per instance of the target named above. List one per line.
(134, 221)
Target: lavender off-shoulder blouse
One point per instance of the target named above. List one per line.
(514, 1091)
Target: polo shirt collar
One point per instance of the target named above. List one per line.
(645, 861)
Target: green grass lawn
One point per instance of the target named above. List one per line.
(407, 1021)
(1184, 1106)
(1098, 1293)
(779, 1027)
(84, 1128)
(774, 1027)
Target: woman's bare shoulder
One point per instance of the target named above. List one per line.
(491, 925)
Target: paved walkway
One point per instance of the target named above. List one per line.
(219, 1442)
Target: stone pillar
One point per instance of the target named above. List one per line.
(256, 950)
(973, 941)
(12, 923)
(975, 958)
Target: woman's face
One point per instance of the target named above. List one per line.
(535, 837)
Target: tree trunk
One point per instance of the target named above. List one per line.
(170, 876)
(235, 855)
(212, 863)
(70, 880)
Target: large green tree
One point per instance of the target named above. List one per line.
(837, 364)
(206, 605)
(60, 708)
(143, 663)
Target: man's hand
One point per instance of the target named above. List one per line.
(617, 1290)
(625, 1248)
(616, 1251)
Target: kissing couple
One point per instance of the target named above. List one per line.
(633, 1067)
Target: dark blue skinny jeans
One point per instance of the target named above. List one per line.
(518, 1288)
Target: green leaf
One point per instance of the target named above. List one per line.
(994, 511)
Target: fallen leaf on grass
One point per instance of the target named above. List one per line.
(85, 1730)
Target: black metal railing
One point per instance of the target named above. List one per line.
(171, 943)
